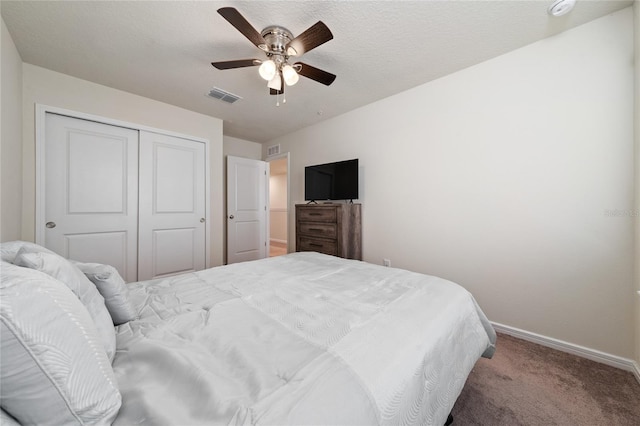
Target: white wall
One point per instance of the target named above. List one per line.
(54, 89)
(636, 13)
(498, 177)
(11, 147)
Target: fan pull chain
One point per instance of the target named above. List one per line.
(284, 99)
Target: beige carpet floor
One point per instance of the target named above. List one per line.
(529, 384)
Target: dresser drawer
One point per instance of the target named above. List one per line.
(315, 244)
(319, 229)
(316, 214)
(329, 228)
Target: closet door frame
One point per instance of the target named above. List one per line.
(40, 133)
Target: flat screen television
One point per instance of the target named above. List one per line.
(331, 181)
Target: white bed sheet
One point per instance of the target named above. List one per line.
(299, 339)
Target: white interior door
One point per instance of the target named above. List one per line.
(247, 213)
(172, 229)
(91, 192)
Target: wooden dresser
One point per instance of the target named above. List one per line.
(333, 229)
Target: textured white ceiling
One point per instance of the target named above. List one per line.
(163, 50)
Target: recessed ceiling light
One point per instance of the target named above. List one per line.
(561, 7)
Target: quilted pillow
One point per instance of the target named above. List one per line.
(113, 288)
(60, 268)
(53, 370)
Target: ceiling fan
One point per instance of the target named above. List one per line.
(279, 45)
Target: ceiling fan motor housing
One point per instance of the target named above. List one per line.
(277, 39)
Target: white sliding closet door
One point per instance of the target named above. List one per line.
(172, 227)
(91, 192)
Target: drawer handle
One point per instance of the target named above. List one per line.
(315, 245)
(315, 214)
(315, 229)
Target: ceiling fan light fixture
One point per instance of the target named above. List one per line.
(279, 45)
(275, 83)
(267, 70)
(290, 75)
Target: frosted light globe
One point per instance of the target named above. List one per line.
(267, 70)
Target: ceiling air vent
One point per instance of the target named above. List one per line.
(223, 95)
(273, 150)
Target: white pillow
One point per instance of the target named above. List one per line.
(113, 288)
(10, 249)
(54, 369)
(60, 268)
(7, 420)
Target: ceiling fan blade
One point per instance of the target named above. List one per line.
(234, 17)
(314, 73)
(313, 37)
(227, 65)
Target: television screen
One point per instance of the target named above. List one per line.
(331, 181)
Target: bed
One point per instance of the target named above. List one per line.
(304, 338)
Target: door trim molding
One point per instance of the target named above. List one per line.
(40, 130)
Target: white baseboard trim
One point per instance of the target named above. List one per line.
(275, 240)
(636, 370)
(581, 351)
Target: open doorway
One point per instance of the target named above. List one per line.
(278, 204)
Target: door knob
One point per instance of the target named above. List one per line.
(231, 217)
(202, 220)
(50, 225)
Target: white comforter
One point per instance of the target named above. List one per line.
(298, 339)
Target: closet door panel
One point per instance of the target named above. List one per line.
(172, 206)
(113, 249)
(175, 192)
(91, 192)
(173, 250)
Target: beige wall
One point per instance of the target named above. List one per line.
(278, 206)
(278, 191)
(59, 90)
(636, 13)
(11, 147)
(241, 148)
(499, 177)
